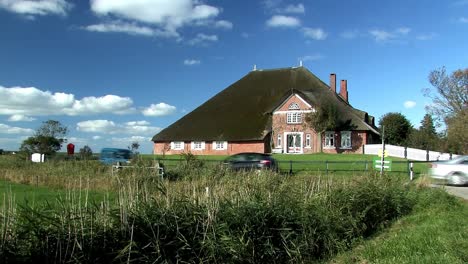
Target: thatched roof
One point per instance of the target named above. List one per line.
(242, 111)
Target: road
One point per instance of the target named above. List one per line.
(455, 190)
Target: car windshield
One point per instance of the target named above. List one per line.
(247, 157)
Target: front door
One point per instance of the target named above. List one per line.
(294, 143)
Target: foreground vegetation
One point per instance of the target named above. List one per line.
(203, 213)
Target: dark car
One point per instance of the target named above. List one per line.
(251, 161)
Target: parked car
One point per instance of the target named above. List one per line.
(251, 161)
(115, 156)
(454, 171)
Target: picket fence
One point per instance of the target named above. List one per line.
(408, 153)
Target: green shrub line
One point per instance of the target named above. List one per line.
(253, 219)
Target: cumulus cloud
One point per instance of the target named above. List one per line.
(128, 28)
(383, 35)
(36, 8)
(190, 62)
(203, 39)
(314, 57)
(224, 24)
(314, 33)
(30, 101)
(292, 9)
(111, 128)
(168, 15)
(409, 104)
(160, 109)
(283, 21)
(20, 118)
(6, 129)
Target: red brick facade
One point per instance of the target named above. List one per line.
(232, 148)
(287, 136)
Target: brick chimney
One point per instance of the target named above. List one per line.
(333, 82)
(344, 90)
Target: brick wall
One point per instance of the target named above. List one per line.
(232, 148)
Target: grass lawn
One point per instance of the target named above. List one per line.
(31, 194)
(437, 232)
(320, 163)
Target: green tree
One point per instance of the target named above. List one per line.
(325, 117)
(134, 147)
(397, 128)
(449, 96)
(426, 136)
(47, 139)
(86, 152)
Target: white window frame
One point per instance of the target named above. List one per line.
(279, 141)
(308, 141)
(198, 145)
(329, 140)
(346, 140)
(294, 117)
(220, 145)
(177, 145)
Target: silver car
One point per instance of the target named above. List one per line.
(454, 171)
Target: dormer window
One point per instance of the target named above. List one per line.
(293, 115)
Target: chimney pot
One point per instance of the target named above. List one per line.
(344, 90)
(333, 82)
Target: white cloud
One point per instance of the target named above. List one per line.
(383, 35)
(32, 8)
(314, 33)
(314, 57)
(409, 104)
(161, 109)
(96, 137)
(283, 21)
(138, 123)
(403, 30)
(121, 27)
(20, 118)
(224, 24)
(203, 39)
(6, 129)
(109, 127)
(426, 36)
(30, 101)
(292, 9)
(463, 20)
(168, 15)
(191, 62)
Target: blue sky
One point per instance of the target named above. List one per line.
(116, 71)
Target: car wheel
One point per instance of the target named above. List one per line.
(457, 178)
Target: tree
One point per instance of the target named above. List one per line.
(134, 147)
(426, 136)
(325, 117)
(450, 105)
(86, 152)
(451, 95)
(47, 139)
(397, 128)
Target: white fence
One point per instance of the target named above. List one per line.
(408, 153)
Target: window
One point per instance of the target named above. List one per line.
(177, 145)
(329, 139)
(294, 117)
(278, 142)
(294, 106)
(307, 144)
(345, 139)
(198, 145)
(220, 145)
